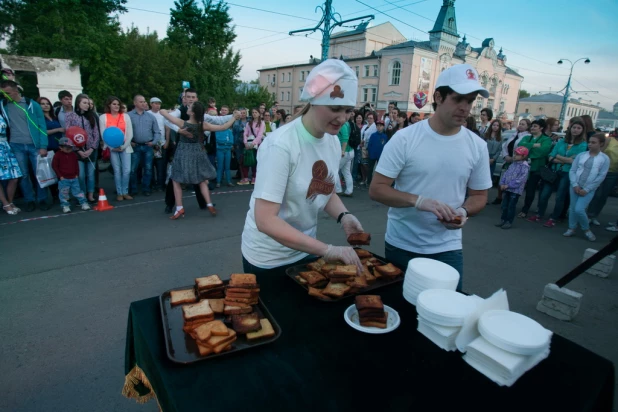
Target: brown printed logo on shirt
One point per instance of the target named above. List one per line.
(322, 182)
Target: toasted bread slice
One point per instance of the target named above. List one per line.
(372, 324)
(238, 304)
(248, 301)
(224, 346)
(382, 319)
(364, 302)
(200, 310)
(314, 266)
(327, 268)
(300, 280)
(389, 270)
(336, 290)
(345, 270)
(219, 340)
(208, 282)
(178, 297)
(190, 327)
(216, 305)
(214, 328)
(244, 324)
(242, 280)
(317, 293)
(357, 239)
(313, 277)
(241, 295)
(359, 282)
(369, 277)
(204, 350)
(267, 331)
(362, 253)
(236, 310)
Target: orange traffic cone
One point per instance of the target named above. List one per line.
(103, 206)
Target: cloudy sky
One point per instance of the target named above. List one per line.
(534, 34)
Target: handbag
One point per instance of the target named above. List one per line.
(106, 154)
(249, 158)
(45, 174)
(548, 174)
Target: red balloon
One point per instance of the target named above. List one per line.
(77, 135)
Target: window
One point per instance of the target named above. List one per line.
(506, 89)
(527, 111)
(395, 73)
(288, 97)
(490, 104)
(282, 77)
(289, 77)
(375, 70)
(501, 106)
(369, 94)
(282, 94)
(300, 91)
(302, 76)
(366, 71)
(357, 70)
(371, 70)
(268, 78)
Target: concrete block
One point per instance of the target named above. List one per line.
(599, 273)
(566, 310)
(607, 262)
(553, 313)
(563, 295)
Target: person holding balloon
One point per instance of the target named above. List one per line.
(117, 132)
(84, 118)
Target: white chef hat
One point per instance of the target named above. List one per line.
(331, 83)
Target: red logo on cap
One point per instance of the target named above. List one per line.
(471, 75)
(337, 92)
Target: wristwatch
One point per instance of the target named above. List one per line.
(466, 210)
(342, 214)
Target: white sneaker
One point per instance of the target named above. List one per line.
(591, 237)
(595, 222)
(612, 228)
(66, 209)
(569, 233)
(85, 206)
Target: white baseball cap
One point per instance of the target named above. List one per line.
(331, 83)
(155, 100)
(462, 78)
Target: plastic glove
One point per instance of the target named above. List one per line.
(351, 225)
(453, 226)
(346, 254)
(443, 211)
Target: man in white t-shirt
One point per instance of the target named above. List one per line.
(159, 161)
(434, 164)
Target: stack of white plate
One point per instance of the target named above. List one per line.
(423, 274)
(441, 313)
(510, 344)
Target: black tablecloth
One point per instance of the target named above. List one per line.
(321, 363)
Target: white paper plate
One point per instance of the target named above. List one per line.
(513, 332)
(432, 269)
(351, 317)
(444, 307)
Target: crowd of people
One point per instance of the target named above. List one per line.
(199, 145)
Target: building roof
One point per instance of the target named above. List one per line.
(361, 28)
(607, 116)
(425, 45)
(446, 21)
(513, 72)
(543, 98)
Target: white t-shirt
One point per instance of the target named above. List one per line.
(298, 171)
(438, 167)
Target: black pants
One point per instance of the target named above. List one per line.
(170, 200)
(531, 187)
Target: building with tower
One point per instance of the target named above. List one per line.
(392, 69)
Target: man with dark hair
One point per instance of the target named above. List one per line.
(66, 99)
(415, 117)
(425, 218)
(486, 115)
(28, 138)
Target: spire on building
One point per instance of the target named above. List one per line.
(500, 55)
(446, 21)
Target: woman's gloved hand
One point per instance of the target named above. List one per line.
(345, 254)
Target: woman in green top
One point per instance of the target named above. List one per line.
(561, 159)
(539, 147)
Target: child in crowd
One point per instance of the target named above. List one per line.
(512, 184)
(67, 170)
(374, 148)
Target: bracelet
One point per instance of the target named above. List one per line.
(341, 215)
(466, 210)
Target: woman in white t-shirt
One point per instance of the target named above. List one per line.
(366, 132)
(298, 166)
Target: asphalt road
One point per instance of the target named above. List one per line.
(66, 283)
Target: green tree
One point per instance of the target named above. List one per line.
(87, 32)
(523, 94)
(250, 95)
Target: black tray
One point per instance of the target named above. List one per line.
(294, 271)
(181, 347)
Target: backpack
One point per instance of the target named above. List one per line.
(355, 136)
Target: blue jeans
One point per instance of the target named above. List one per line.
(26, 155)
(602, 193)
(509, 205)
(141, 157)
(258, 271)
(121, 162)
(400, 258)
(577, 213)
(561, 184)
(86, 175)
(224, 157)
(356, 163)
(70, 185)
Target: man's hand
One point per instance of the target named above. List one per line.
(441, 210)
(117, 150)
(43, 152)
(165, 146)
(133, 144)
(351, 225)
(149, 144)
(81, 154)
(461, 214)
(185, 132)
(346, 254)
(504, 187)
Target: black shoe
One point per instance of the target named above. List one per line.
(500, 224)
(496, 201)
(43, 205)
(507, 225)
(30, 206)
(147, 194)
(168, 209)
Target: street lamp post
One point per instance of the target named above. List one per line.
(567, 89)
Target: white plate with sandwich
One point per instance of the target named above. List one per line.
(352, 318)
